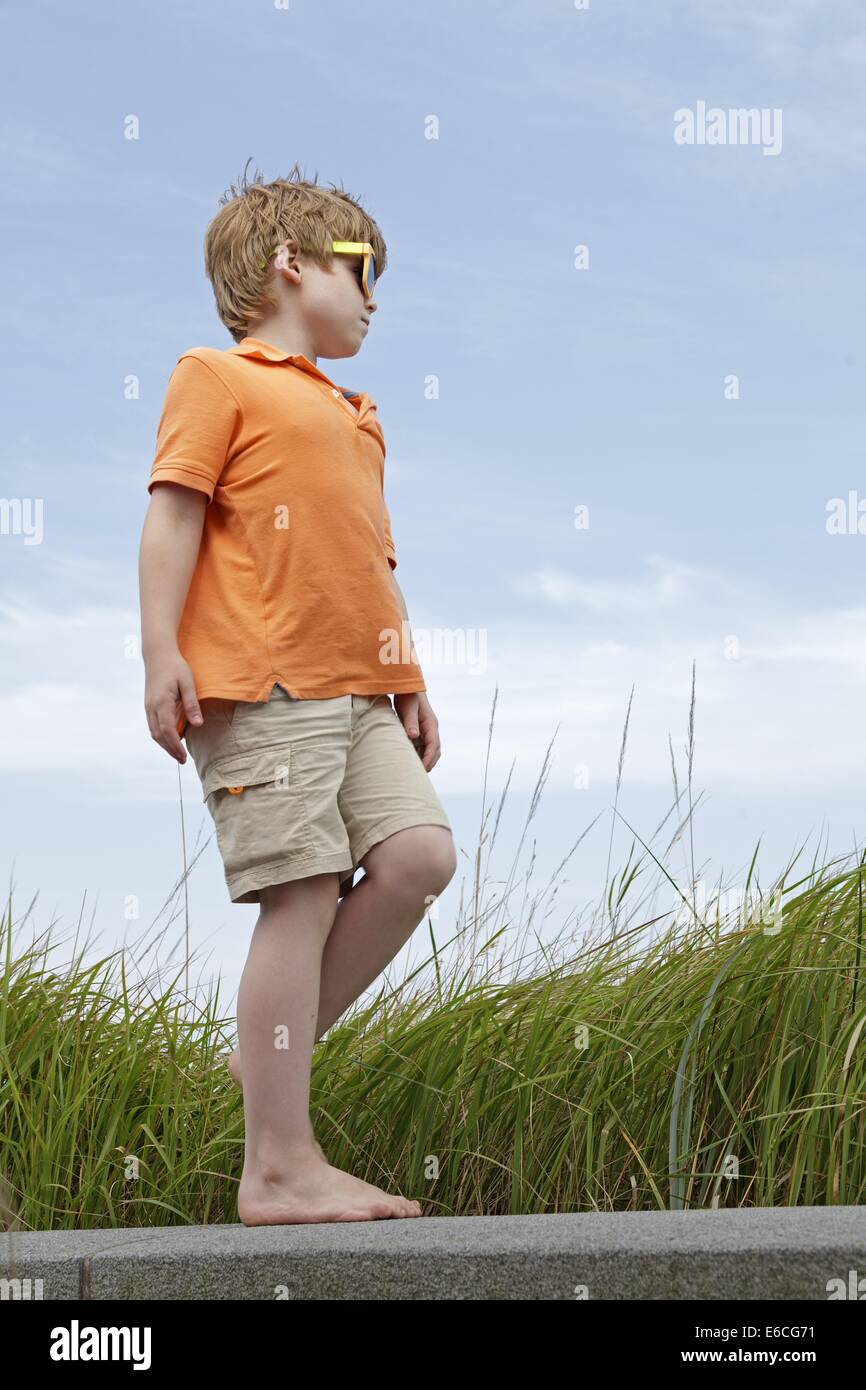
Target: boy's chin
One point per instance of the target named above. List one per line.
(347, 349)
(346, 346)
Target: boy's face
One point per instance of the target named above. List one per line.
(331, 301)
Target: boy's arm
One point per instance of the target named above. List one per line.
(200, 417)
(170, 542)
(402, 602)
(415, 711)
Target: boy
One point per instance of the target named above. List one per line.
(272, 628)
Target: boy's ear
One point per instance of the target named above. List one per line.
(282, 261)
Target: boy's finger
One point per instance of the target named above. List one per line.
(409, 717)
(169, 736)
(174, 746)
(189, 700)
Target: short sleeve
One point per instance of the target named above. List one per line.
(389, 539)
(198, 422)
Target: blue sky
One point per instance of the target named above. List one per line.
(559, 388)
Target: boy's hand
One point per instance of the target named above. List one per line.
(169, 693)
(421, 725)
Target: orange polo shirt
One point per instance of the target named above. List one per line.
(292, 584)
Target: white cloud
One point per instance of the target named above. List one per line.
(786, 714)
(668, 585)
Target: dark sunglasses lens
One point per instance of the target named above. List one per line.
(371, 273)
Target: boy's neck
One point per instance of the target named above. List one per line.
(287, 336)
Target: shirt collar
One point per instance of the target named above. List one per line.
(256, 347)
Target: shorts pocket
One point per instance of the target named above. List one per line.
(257, 807)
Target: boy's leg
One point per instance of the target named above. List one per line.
(399, 832)
(401, 875)
(383, 784)
(278, 1000)
(285, 1180)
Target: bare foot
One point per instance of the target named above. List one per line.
(233, 1062)
(312, 1190)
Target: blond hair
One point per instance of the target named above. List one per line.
(254, 217)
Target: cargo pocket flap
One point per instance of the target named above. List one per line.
(236, 771)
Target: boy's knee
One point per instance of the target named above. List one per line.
(421, 859)
(437, 861)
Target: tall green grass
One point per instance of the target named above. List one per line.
(641, 1059)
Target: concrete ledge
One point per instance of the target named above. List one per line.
(761, 1253)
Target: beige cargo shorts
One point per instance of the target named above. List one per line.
(301, 787)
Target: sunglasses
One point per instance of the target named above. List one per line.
(367, 278)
